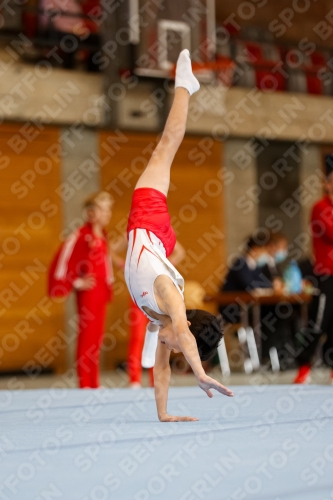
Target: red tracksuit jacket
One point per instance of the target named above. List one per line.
(81, 254)
(322, 234)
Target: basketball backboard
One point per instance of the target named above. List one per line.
(160, 29)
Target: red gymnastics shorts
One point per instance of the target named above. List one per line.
(149, 210)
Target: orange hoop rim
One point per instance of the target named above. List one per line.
(216, 65)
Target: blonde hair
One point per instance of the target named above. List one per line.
(99, 197)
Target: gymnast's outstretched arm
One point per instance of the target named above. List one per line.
(174, 307)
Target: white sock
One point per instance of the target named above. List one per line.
(149, 349)
(184, 75)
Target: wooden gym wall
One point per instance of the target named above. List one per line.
(31, 328)
(196, 206)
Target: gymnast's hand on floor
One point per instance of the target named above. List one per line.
(174, 418)
(206, 383)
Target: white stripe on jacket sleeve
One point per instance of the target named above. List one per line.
(66, 252)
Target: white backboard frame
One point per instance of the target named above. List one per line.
(163, 26)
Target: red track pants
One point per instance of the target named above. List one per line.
(138, 324)
(92, 311)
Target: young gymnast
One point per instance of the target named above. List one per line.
(154, 284)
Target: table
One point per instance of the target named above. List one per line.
(254, 299)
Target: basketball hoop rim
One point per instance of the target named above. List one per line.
(215, 66)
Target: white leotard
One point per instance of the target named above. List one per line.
(145, 261)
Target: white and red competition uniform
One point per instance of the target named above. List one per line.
(81, 254)
(151, 240)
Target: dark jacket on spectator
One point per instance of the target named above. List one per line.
(241, 277)
(306, 266)
(273, 270)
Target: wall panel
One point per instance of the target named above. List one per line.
(30, 222)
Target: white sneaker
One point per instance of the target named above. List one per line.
(135, 385)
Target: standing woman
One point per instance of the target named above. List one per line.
(83, 263)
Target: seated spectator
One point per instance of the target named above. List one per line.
(259, 267)
(246, 273)
(55, 16)
(30, 18)
(57, 22)
(306, 265)
(277, 248)
(92, 11)
(280, 322)
(68, 24)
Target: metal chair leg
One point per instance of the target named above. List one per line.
(242, 337)
(275, 363)
(223, 356)
(252, 347)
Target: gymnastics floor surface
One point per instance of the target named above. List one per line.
(267, 442)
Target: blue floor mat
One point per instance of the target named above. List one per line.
(272, 442)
